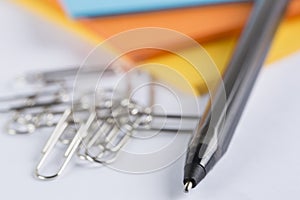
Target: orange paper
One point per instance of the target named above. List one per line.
(200, 23)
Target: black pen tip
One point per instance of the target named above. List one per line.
(188, 186)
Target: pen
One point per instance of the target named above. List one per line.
(215, 130)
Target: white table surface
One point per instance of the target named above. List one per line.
(262, 162)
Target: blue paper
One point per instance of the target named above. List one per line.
(93, 8)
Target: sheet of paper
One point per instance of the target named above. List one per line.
(260, 164)
(90, 8)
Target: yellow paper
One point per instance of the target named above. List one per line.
(286, 42)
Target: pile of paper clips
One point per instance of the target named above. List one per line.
(93, 125)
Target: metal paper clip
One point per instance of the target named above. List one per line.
(26, 119)
(119, 133)
(52, 142)
(63, 75)
(37, 100)
(95, 133)
(104, 146)
(59, 131)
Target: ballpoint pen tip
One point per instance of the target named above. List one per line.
(188, 186)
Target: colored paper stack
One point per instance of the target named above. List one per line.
(214, 24)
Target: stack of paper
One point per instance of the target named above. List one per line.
(215, 24)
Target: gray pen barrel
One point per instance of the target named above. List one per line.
(215, 130)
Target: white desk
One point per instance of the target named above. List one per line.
(262, 162)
